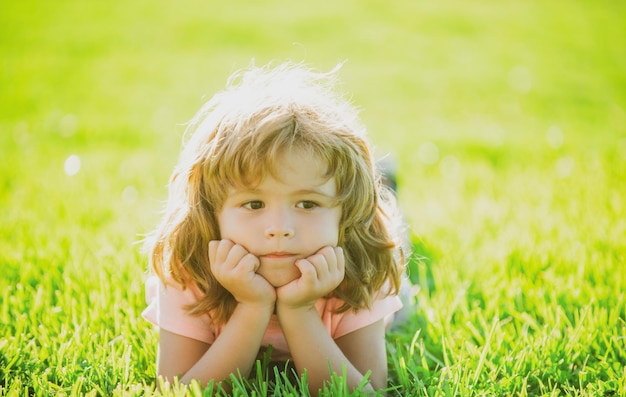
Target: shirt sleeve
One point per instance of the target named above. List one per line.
(343, 323)
(167, 309)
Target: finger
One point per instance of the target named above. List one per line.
(235, 254)
(330, 264)
(216, 253)
(331, 258)
(341, 261)
(325, 260)
(223, 248)
(307, 269)
(319, 265)
(213, 244)
(249, 263)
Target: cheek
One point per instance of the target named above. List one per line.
(341, 232)
(237, 229)
(336, 228)
(224, 225)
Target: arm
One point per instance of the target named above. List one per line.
(237, 345)
(313, 349)
(365, 348)
(234, 349)
(311, 346)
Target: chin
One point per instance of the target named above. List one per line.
(278, 279)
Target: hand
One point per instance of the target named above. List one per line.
(322, 272)
(235, 269)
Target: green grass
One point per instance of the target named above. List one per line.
(507, 119)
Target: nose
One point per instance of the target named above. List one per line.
(279, 225)
(278, 232)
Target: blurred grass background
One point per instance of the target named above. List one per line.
(507, 120)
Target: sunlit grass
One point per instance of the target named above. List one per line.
(507, 120)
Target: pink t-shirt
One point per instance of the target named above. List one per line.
(166, 309)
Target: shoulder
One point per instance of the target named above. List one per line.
(168, 304)
(169, 293)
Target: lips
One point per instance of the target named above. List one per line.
(278, 255)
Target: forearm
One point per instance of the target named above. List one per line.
(313, 349)
(235, 349)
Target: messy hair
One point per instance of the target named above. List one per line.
(235, 140)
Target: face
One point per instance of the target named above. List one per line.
(284, 219)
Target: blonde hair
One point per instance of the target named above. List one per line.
(236, 140)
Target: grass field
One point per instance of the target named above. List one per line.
(507, 120)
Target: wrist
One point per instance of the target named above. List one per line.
(293, 320)
(256, 308)
(284, 309)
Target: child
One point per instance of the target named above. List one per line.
(277, 231)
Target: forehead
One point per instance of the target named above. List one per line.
(301, 171)
(302, 162)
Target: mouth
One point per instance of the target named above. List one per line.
(278, 255)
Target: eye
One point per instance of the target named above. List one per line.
(254, 205)
(307, 205)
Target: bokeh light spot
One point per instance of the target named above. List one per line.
(520, 79)
(428, 153)
(564, 167)
(72, 165)
(554, 137)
